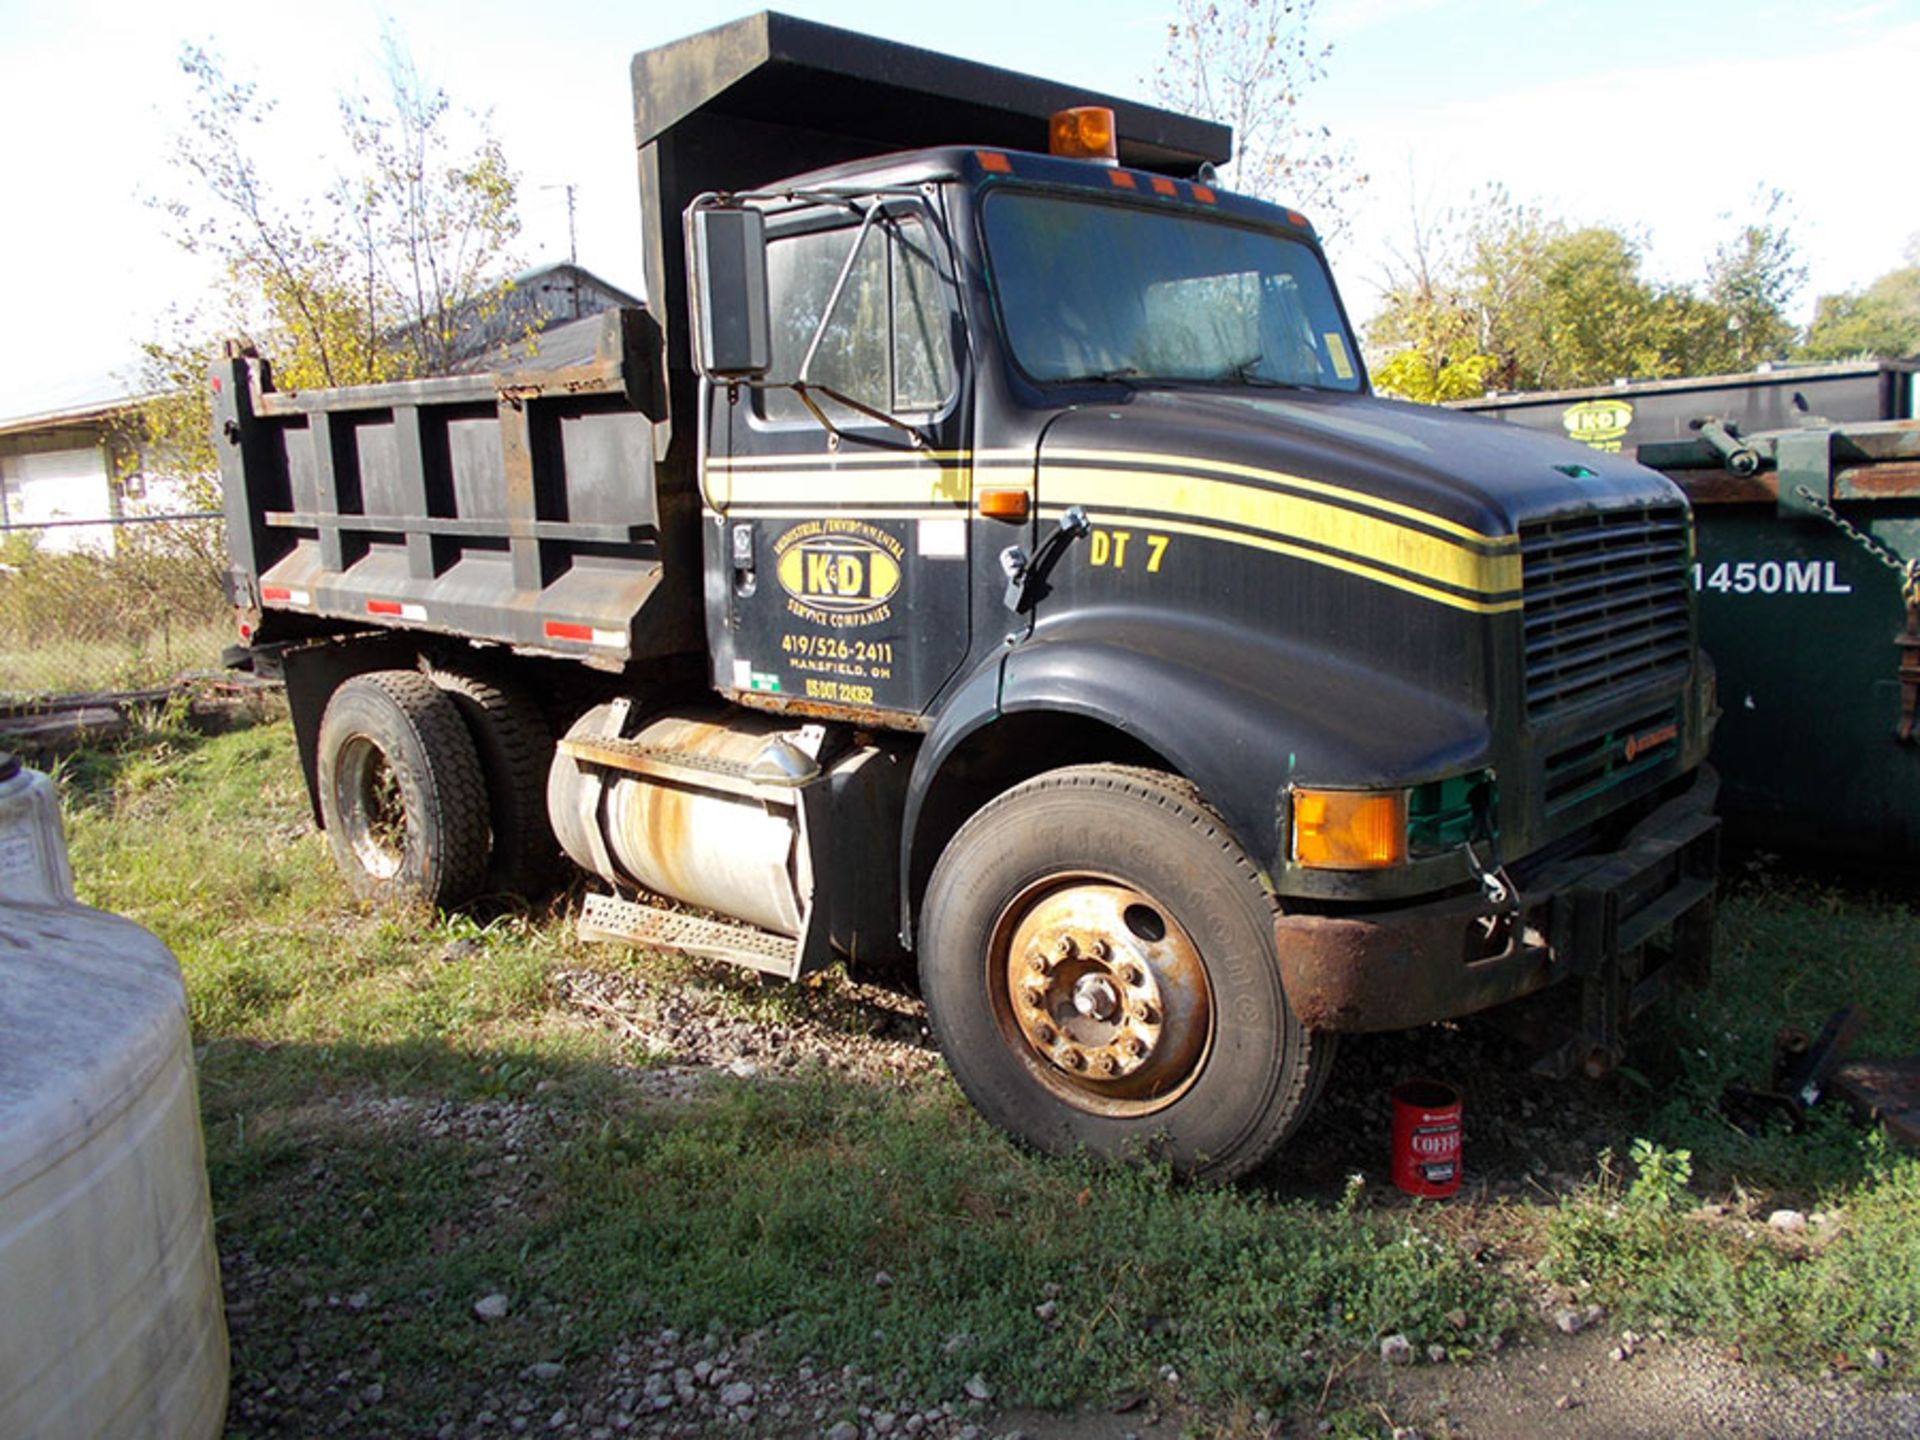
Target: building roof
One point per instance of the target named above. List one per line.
(78, 417)
(566, 271)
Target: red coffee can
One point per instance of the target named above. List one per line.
(1426, 1138)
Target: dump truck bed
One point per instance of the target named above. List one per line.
(522, 507)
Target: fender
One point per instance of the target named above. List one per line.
(975, 702)
(1241, 716)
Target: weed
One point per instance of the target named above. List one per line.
(1850, 1291)
(1660, 1176)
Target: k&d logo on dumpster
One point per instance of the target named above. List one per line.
(839, 572)
(1601, 424)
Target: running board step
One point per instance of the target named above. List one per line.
(608, 917)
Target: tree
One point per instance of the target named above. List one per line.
(365, 280)
(1246, 63)
(1881, 320)
(1593, 316)
(1435, 330)
(1506, 297)
(1752, 280)
(435, 225)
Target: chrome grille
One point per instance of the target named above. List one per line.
(1605, 604)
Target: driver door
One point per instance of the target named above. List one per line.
(838, 490)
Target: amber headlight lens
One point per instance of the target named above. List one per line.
(1349, 829)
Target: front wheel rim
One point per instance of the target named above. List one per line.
(1102, 993)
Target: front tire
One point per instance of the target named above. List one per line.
(1098, 964)
(401, 791)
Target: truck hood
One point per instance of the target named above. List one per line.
(1484, 475)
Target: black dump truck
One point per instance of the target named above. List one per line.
(983, 554)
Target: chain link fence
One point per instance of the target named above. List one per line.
(135, 606)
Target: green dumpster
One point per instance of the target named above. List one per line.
(1811, 611)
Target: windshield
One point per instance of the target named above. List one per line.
(1095, 290)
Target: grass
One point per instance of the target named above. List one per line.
(1850, 1290)
(330, 1035)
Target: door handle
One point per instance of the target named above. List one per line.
(741, 541)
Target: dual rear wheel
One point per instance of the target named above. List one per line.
(433, 788)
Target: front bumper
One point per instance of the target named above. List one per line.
(1590, 916)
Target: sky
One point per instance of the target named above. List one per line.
(1667, 117)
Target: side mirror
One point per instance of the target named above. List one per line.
(732, 329)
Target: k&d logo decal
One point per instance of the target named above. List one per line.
(839, 572)
(1599, 423)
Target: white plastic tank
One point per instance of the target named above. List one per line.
(110, 1315)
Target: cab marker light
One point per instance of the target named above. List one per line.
(1123, 179)
(1005, 504)
(993, 160)
(1163, 186)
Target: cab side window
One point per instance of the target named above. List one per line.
(888, 343)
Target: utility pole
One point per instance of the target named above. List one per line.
(573, 249)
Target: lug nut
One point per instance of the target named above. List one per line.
(1101, 950)
(1065, 949)
(1132, 974)
(1037, 998)
(1148, 1013)
(1038, 963)
(1109, 1065)
(1044, 1034)
(1076, 1060)
(1139, 1048)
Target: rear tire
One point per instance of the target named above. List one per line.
(401, 791)
(515, 747)
(1097, 957)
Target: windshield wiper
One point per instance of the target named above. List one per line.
(1114, 376)
(1245, 373)
(1242, 372)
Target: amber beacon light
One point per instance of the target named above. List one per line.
(1084, 132)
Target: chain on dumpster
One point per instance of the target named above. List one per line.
(1909, 643)
(1909, 639)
